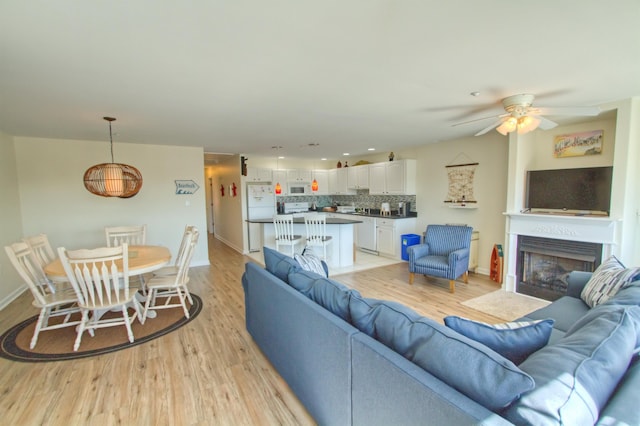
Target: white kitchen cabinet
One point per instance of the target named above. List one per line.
(280, 176)
(338, 179)
(299, 175)
(358, 177)
(258, 174)
(388, 232)
(393, 178)
(322, 177)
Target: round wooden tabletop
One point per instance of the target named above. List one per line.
(142, 259)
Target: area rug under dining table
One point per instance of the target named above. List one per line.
(57, 345)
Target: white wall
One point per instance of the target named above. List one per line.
(11, 224)
(53, 199)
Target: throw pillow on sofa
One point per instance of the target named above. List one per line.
(279, 264)
(513, 340)
(607, 280)
(576, 376)
(310, 262)
(468, 366)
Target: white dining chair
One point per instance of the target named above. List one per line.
(170, 287)
(41, 248)
(132, 235)
(100, 278)
(173, 269)
(316, 228)
(51, 304)
(283, 224)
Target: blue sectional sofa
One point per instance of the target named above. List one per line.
(357, 361)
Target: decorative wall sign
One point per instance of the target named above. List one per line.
(460, 191)
(186, 187)
(221, 190)
(578, 144)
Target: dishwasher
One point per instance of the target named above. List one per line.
(366, 235)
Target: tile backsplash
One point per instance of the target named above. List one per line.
(360, 200)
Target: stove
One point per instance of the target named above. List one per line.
(290, 208)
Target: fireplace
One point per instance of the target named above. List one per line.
(543, 264)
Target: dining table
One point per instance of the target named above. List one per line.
(142, 260)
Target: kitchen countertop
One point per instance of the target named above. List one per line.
(330, 221)
(376, 213)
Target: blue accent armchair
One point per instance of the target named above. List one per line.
(444, 254)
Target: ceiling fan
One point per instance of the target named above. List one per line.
(523, 117)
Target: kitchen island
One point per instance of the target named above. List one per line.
(341, 250)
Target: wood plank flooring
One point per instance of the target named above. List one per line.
(208, 372)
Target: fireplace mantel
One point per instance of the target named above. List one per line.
(591, 229)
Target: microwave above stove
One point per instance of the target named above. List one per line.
(299, 189)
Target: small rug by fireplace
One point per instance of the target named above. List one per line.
(57, 345)
(505, 305)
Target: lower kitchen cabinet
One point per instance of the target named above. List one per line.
(388, 232)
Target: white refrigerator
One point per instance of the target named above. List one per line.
(261, 204)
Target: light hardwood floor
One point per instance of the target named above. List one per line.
(208, 372)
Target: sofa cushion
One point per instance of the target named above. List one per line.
(628, 296)
(279, 264)
(565, 311)
(576, 376)
(623, 408)
(310, 262)
(607, 279)
(466, 365)
(327, 293)
(513, 340)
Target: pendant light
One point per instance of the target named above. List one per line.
(278, 188)
(113, 179)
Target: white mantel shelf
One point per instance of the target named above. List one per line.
(587, 228)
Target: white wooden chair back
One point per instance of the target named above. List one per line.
(185, 262)
(42, 249)
(284, 227)
(188, 229)
(131, 235)
(100, 277)
(29, 269)
(316, 227)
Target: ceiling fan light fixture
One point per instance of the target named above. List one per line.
(507, 126)
(527, 124)
(113, 179)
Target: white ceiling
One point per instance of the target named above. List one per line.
(241, 76)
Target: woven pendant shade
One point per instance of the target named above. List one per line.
(113, 179)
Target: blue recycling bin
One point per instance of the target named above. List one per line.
(408, 240)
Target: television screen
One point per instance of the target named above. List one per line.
(585, 189)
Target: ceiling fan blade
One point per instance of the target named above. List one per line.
(493, 126)
(480, 119)
(545, 123)
(578, 111)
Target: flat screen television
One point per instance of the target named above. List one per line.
(585, 190)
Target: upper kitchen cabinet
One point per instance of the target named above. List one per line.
(358, 177)
(299, 175)
(258, 174)
(322, 177)
(280, 176)
(338, 179)
(393, 177)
